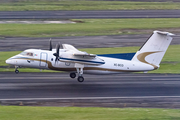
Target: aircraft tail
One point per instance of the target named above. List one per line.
(154, 49)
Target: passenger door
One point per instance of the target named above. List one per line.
(43, 59)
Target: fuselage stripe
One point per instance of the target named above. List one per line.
(82, 60)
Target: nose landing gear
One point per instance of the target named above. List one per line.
(16, 69)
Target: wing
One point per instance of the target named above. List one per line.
(84, 55)
(73, 55)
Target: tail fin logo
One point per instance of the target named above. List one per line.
(141, 57)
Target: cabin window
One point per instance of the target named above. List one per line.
(27, 53)
(23, 53)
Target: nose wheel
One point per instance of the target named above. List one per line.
(16, 69)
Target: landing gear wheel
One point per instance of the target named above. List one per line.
(16, 71)
(72, 75)
(80, 79)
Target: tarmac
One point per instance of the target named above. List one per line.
(119, 90)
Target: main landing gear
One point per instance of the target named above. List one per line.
(16, 69)
(72, 75)
(80, 77)
(79, 68)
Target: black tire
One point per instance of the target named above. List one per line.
(16, 71)
(80, 79)
(72, 75)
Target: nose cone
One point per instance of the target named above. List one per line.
(8, 61)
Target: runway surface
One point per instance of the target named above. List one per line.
(20, 44)
(90, 14)
(132, 89)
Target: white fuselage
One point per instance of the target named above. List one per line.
(43, 59)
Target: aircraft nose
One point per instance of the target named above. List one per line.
(8, 61)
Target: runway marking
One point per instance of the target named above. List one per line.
(174, 83)
(37, 22)
(32, 77)
(20, 85)
(170, 79)
(92, 98)
(90, 77)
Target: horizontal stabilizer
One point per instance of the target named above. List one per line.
(164, 33)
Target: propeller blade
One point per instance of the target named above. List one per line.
(57, 48)
(57, 52)
(50, 47)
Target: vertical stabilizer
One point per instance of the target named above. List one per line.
(154, 48)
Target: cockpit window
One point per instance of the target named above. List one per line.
(27, 54)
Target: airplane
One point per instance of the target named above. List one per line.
(70, 59)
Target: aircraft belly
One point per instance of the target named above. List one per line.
(99, 72)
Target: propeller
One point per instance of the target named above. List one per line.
(50, 45)
(57, 52)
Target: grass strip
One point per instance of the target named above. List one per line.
(32, 5)
(91, 113)
(89, 27)
(170, 62)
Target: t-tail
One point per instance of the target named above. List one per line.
(154, 49)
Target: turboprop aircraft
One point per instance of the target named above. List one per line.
(147, 58)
